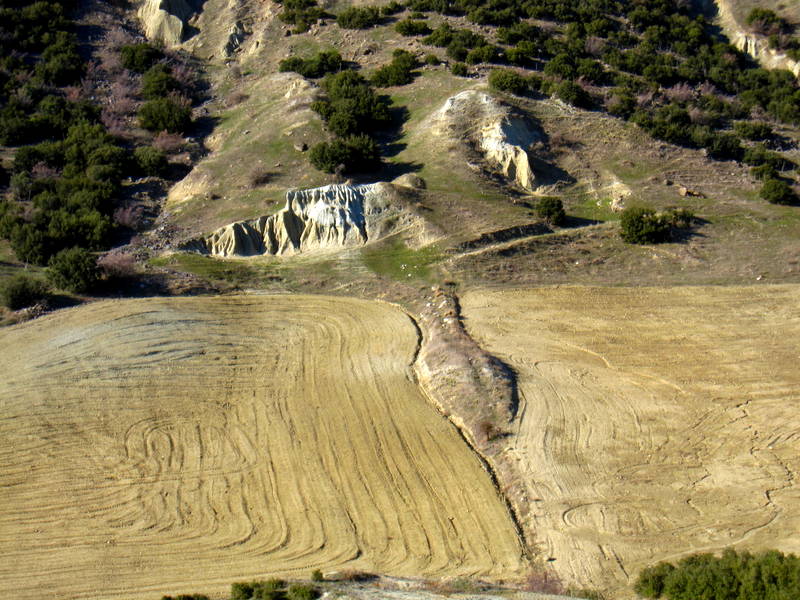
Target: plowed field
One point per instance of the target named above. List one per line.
(162, 446)
(653, 422)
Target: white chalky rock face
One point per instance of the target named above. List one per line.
(755, 45)
(164, 20)
(502, 137)
(327, 217)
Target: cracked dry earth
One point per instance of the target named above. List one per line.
(654, 422)
(165, 446)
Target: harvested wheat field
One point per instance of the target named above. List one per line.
(162, 446)
(653, 422)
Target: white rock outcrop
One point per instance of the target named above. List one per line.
(502, 136)
(332, 216)
(757, 46)
(165, 20)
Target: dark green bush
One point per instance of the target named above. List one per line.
(242, 590)
(22, 291)
(755, 131)
(301, 13)
(158, 82)
(353, 154)
(736, 576)
(432, 60)
(571, 93)
(316, 575)
(392, 8)
(139, 57)
(300, 591)
(351, 105)
(151, 161)
(459, 69)
(61, 64)
(644, 226)
(398, 72)
(165, 114)
(358, 17)
(551, 209)
(410, 27)
(506, 80)
(73, 269)
(327, 61)
(777, 191)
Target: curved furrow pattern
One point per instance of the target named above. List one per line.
(160, 446)
(654, 422)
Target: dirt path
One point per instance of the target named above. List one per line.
(162, 446)
(653, 422)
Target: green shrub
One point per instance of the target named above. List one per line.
(353, 154)
(327, 61)
(459, 69)
(301, 591)
(777, 191)
(764, 172)
(158, 82)
(551, 209)
(301, 13)
(432, 60)
(351, 106)
(571, 93)
(242, 590)
(74, 269)
(506, 80)
(398, 72)
(150, 161)
(644, 226)
(392, 8)
(316, 575)
(410, 27)
(139, 57)
(61, 64)
(739, 576)
(165, 114)
(22, 291)
(756, 131)
(358, 18)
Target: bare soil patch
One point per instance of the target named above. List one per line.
(653, 422)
